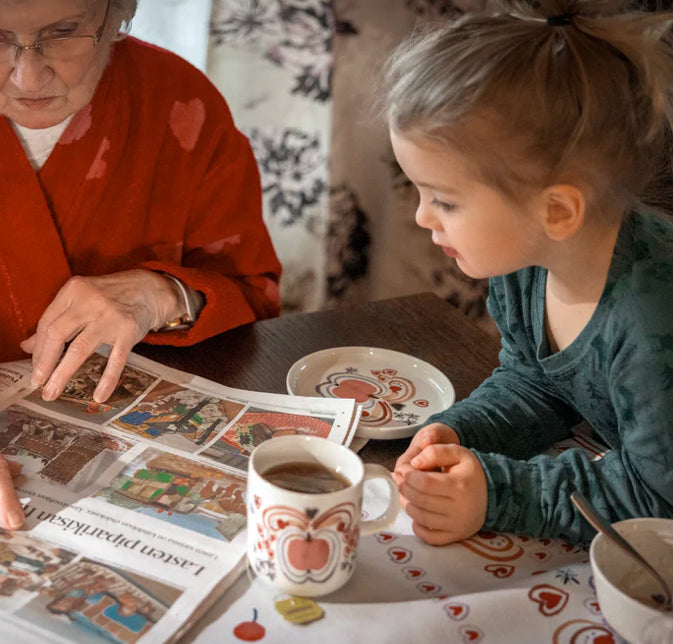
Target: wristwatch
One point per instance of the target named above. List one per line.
(185, 321)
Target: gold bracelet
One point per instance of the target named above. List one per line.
(185, 321)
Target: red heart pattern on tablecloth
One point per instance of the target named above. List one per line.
(457, 611)
(186, 122)
(428, 587)
(400, 555)
(385, 537)
(592, 606)
(500, 571)
(584, 631)
(541, 556)
(470, 634)
(413, 573)
(551, 601)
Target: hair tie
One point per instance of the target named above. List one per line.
(560, 20)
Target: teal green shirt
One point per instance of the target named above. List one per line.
(617, 375)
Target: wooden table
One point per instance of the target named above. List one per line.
(257, 356)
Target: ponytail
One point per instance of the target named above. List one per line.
(539, 92)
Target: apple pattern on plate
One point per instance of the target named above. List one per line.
(384, 394)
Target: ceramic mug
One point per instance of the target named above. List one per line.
(305, 544)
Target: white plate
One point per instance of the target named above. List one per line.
(397, 391)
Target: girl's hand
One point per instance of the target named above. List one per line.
(435, 433)
(444, 491)
(117, 309)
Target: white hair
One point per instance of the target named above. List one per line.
(121, 13)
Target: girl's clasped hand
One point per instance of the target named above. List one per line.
(442, 486)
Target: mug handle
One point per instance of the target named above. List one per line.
(373, 471)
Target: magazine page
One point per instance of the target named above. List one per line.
(135, 508)
(180, 412)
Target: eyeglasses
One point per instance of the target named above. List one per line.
(55, 49)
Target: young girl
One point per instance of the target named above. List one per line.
(532, 132)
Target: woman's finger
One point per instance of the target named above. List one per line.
(28, 345)
(11, 512)
(50, 344)
(54, 330)
(79, 350)
(115, 365)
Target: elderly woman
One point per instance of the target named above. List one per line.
(130, 203)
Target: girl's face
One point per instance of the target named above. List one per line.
(36, 92)
(469, 220)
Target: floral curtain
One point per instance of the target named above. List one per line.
(300, 77)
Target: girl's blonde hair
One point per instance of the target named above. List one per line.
(542, 92)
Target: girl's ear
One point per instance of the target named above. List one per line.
(564, 211)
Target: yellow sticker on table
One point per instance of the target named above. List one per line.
(299, 610)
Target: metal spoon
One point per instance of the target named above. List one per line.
(602, 525)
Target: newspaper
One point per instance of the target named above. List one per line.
(135, 508)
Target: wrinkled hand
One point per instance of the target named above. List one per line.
(11, 512)
(117, 309)
(444, 491)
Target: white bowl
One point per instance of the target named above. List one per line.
(619, 579)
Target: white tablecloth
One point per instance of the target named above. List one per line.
(490, 588)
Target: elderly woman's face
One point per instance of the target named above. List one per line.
(37, 92)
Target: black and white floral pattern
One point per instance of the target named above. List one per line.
(332, 191)
(292, 168)
(295, 35)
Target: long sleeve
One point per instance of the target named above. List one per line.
(634, 478)
(227, 253)
(516, 411)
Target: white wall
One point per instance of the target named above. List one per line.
(178, 25)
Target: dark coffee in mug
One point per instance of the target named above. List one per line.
(308, 478)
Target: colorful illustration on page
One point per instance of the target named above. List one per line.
(177, 416)
(181, 492)
(62, 453)
(89, 601)
(255, 426)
